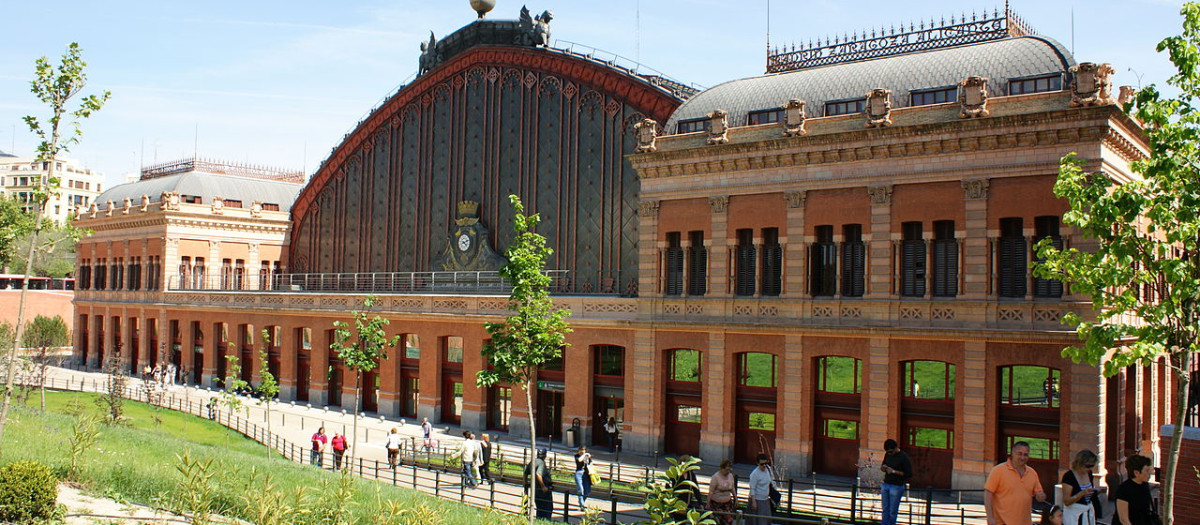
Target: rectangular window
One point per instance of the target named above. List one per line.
(931, 438)
(412, 394)
(765, 116)
(758, 370)
(772, 263)
(674, 264)
(685, 365)
(229, 203)
(412, 347)
(1039, 448)
(270, 206)
(610, 361)
(945, 259)
(688, 414)
(454, 350)
(840, 429)
(764, 421)
(854, 261)
(844, 107)
(693, 125)
(1047, 227)
(823, 264)
(697, 264)
(1023, 86)
(1011, 258)
(501, 407)
(933, 96)
(746, 263)
(912, 260)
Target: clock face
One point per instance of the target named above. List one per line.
(464, 242)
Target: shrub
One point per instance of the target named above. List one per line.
(28, 492)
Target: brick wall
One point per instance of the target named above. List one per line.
(1187, 487)
(48, 303)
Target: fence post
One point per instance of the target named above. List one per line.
(612, 512)
(854, 503)
(437, 482)
(928, 505)
(791, 490)
(492, 494)
(566, 505)
(814, 491)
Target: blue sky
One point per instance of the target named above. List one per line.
(278, 83)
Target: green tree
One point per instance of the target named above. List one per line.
(43, 334)
(268, 387)
(54, 87)
(1143, 274)
(361, 349)
(667, 496)
(15, 224)
(536, 332)
(54, 255)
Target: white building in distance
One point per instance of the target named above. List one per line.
(79, 186)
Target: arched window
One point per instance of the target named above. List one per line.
(841, 375)
(758, 370)
(685, 365)
(929, 380)
(610, 360)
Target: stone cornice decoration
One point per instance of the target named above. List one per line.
(218, 205)
(170, 200)
(648, 208)
(1091, 84)
(795, 199)
(92, 209)
(1126, 96)
(256, 209)
(718, 127)
(172, 242)
(647, 133)
(214, 246)
(1123, 146)
(973, 97)
(880, 195)
(793, 118)
(879, 108)
(719, 203)
(145, 202)
(126, 204)
(975, 188)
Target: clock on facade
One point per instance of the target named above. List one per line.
(464, 242)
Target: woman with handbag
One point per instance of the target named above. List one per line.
(583, 478)
(1078, 490)
(762, 482)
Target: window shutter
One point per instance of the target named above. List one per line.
(1049, 287)
(824, 260)
(1012, 267)
(698, 271)
(912, 268)
(854, 265)
(772, 269)
(945, 268)
(674, 270)
(745, 269)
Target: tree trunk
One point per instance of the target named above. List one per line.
(20, 328)
(529, 383)
(1183, 377)
(357, 404)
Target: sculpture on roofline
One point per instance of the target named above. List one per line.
(647, 133)
(974, 97)
(1091, 85)
(879, 108)
(429, 56)
(718, 127)
(793, 118)
(535, 31)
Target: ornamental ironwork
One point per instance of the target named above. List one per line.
(922, 36)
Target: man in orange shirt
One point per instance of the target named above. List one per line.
(1011, 488)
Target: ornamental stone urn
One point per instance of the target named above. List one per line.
(483, 6)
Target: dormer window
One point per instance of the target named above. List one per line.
(844, 107)
(1024, 86)
(270, 206)
(191, 199)
(925, 97)
(229, 203)
(765, 116)
(693, 125)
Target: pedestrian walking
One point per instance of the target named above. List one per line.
(612, 430)
(1134, 503)
(338, 444)
(762, 481)
(897, 470)
(1079, 490)
(427, 430)
(1011, 488)
(468, 451)
(394, 440)
(319, 440)
(485, 460)
(212, 407)
(538, 476)
(722, 493)
(583, 476)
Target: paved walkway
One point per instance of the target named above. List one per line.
(296, 423)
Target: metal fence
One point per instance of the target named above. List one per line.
(562, 282)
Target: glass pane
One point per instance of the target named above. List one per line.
(929, 379)
(840, 429)
(931, 438)
(458, 399)
(761, 421)
(412, 347)
(1029, 386)
(610, 361)
(758, 369)
(687, 414)
(685, 365)
(1038, 448)
(839, 375)
(454, 350)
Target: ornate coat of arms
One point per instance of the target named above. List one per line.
(467, 248)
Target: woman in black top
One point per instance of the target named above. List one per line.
(1079, 489)
(1134, 504)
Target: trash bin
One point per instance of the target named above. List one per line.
(574, 435)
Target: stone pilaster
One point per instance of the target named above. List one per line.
(972, 467)
(718, 255)
(212, 266)
(251, 279)
(719, 404)
(879, 256)
(170, 264)
(649, 259)
(647, 406)
(877, 423)
(793, 441)
(976, 248)
(795, 251)
(1086, 388)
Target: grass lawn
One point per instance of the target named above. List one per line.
(137, 462)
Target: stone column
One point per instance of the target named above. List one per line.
(1085, 388)
(877, 423)
(685, 244)
(879, 256)
(718, 256)
(643, 432)
(794, 254)
(649, 252)
(719, 403)
(972, 467)
(975, 247)
(793, 441)
(250, 277)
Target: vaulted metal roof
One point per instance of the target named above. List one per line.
(206, 186)
(998, 60)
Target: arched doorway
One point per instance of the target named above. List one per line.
(1029, 411)
(758, 376)
(684, 410)
(836, 415)
(927, 420)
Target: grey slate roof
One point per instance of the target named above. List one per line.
(206, 186)
(998, 60)
(3, 154)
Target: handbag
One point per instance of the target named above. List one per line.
(594, 477)
(774, 495)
